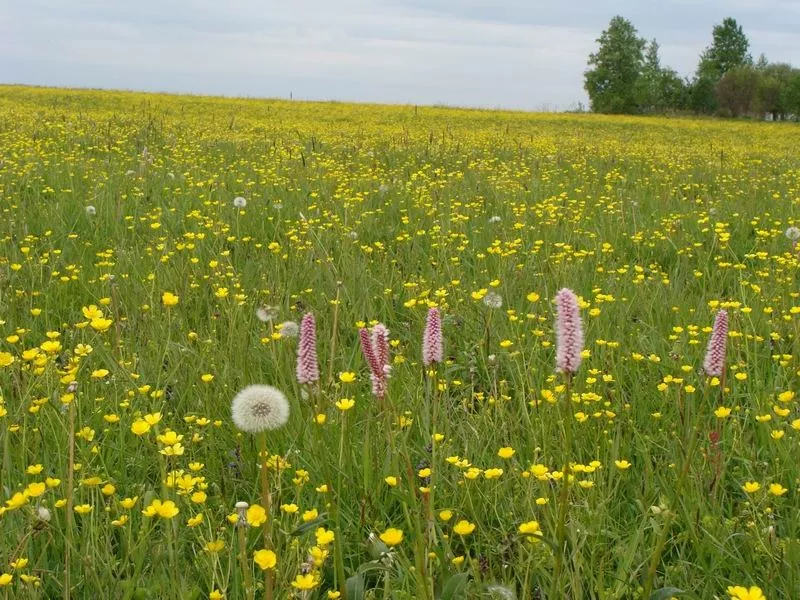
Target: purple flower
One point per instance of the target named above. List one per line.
(307, 367)
(569, 332)
(714, 363)
(375, 347)
(432, 344)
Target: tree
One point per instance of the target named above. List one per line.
(728, 50)
(612, 81)
(737, 91)
(650, 80)
(773, 90)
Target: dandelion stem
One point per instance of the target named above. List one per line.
(266, 502)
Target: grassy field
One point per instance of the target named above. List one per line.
(157, 253)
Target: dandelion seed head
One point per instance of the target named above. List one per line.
(494, 219)
(266, 313)
(792, 233)
(91, 210)
(289, 329)
(259, 408)
(493, 300)
(239, 202)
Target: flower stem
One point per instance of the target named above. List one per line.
(563, 500)
(266, 502)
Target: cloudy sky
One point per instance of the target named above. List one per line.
(527, 54)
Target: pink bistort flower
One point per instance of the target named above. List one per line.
(307, 366)
(569, 332)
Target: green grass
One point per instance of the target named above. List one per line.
(365, 214)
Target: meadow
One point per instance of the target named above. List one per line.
(160, 252)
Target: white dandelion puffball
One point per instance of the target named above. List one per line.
(43, 514)
(266, 313)
(289, 329)
(91, 210)
(793, 233)
(239, 202)
(495, 219)
(258, 408)
(493, 300)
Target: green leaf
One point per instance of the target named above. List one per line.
(308, 526)
(455, 588)
(665, 593)
(354, 587)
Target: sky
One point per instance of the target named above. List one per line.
(518, 54)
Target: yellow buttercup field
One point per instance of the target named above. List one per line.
(268, 349)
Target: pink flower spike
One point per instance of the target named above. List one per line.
(368, 350)
(714, 363)
(380, 345)
(375, 347)
(307, 367)
(432, 344)
(569, 332)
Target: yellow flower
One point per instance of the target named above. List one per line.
(129, 503)
(6, 358)
(169, 299)
(751, 487)
(140, 427)
(306, 582)
(195, 520)
(787, 396)
(216, 595)
(345, 404)
(622, 464)
(390, 480)
(532, 297)
(742, 593)
(530, 528)
(310, 515)
(266, 559)
(506, 452)
(99, 373)
(5, 579)
(347, 377)
(256, 516)
(83, 509)
(722, 412)
(492, 473)
(463, 528)
(165, 510)
(392, 536)
(289, 508)
(34, 490)
(100, 324)
(215, 546)
(324, 536)
(445, 515)
(776, 489)
(207, 378)
(120, 522)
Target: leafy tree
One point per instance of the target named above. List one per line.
(737, 91)
(773, 90)
(612, 81)
(728, 50)
(792, 94)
